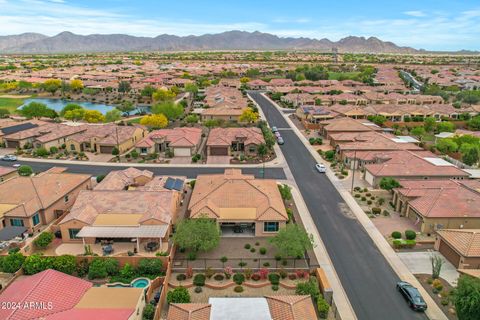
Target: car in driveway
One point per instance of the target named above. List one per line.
(412, 296)
(277, 134)
(9, 157)
(280, 141)
(274, 129)
(321, 167)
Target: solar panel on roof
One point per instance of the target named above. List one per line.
(178, 185)
(169, 183)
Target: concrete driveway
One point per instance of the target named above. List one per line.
(419, 262)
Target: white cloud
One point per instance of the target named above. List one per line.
(415, 13)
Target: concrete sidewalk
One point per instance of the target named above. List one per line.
(433, 312)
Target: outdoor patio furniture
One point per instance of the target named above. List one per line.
(151, 246)
(108, 249)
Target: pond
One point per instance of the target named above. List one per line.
(58, 104)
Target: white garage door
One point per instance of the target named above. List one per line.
(182, 152)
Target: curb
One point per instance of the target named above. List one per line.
(433, 312)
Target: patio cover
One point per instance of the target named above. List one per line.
(155, 231)
(10, 232)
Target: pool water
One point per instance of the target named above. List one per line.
(140, 283)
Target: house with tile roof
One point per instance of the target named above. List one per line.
(57, 296)
(409, 165)
(236, 200)
(103, 138)
(33, 202)
(460, 246)
(341, 125)
(127, 205)
(182, 141)
(279, 307)
(46, 136)
(439, 204)
(312, 115)
(234, 141)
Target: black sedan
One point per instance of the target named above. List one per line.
(412, 295)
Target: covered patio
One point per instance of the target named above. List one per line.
(146, 238)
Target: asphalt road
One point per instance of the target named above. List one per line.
(189, 172)
(366, 276)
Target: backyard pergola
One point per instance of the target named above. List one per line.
(134, 232)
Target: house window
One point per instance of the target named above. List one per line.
(36, 219)
(270, 226)
(72, 147)
(252, 149)
(143, 150)
(73, 233)
(65, 198)
(16, 222)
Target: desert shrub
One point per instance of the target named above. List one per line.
(410, 234)
(219, 277)
(178, 295)
(283, 274)
(364, 198)
(369, 202)
(444, 302)
(150, 266)
(242, 264)
(238, 289)
(181, 277)
(223, 259)
(386, 213)
(266, 264)
(308, 288)
(192, 256)
(209, 273)
(112, 266)
(44, 239)
(248, 273)
(247, 246)
(376, 210)
(274, 278)
(263, 250)
(238, 278)
(357, 195)
(199, 280)
(368, 194)
(275, 287)
(255, 277)
(278, 257)
(322, 307)
(97, 269)
(257, 243)
(198, 289)
(292, 276)
(396, 235)
(253, 250)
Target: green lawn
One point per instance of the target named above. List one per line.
(11, 104)
(136, 120)
(343, 75)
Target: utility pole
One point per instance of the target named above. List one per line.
(353, 170)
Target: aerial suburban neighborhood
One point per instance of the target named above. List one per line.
(195, 168)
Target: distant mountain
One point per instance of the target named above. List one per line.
(67, 42)
(7, 42)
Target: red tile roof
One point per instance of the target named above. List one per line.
(61, 290)
(465, 242)
(291, 307)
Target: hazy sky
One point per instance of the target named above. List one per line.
(428, 24)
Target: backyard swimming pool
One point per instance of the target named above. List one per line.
(137, 283)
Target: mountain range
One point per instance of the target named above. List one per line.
(67, 42)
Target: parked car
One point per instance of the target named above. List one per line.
(274, 129)
(17, 165)
(412, 295)
(280, 140)
(321, 167)
(9, 157)
(277, 134)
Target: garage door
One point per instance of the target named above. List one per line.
(369, 178)
(219, 151)
(106, 149)
(12, 144)
(182, 152)
(449, 253)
